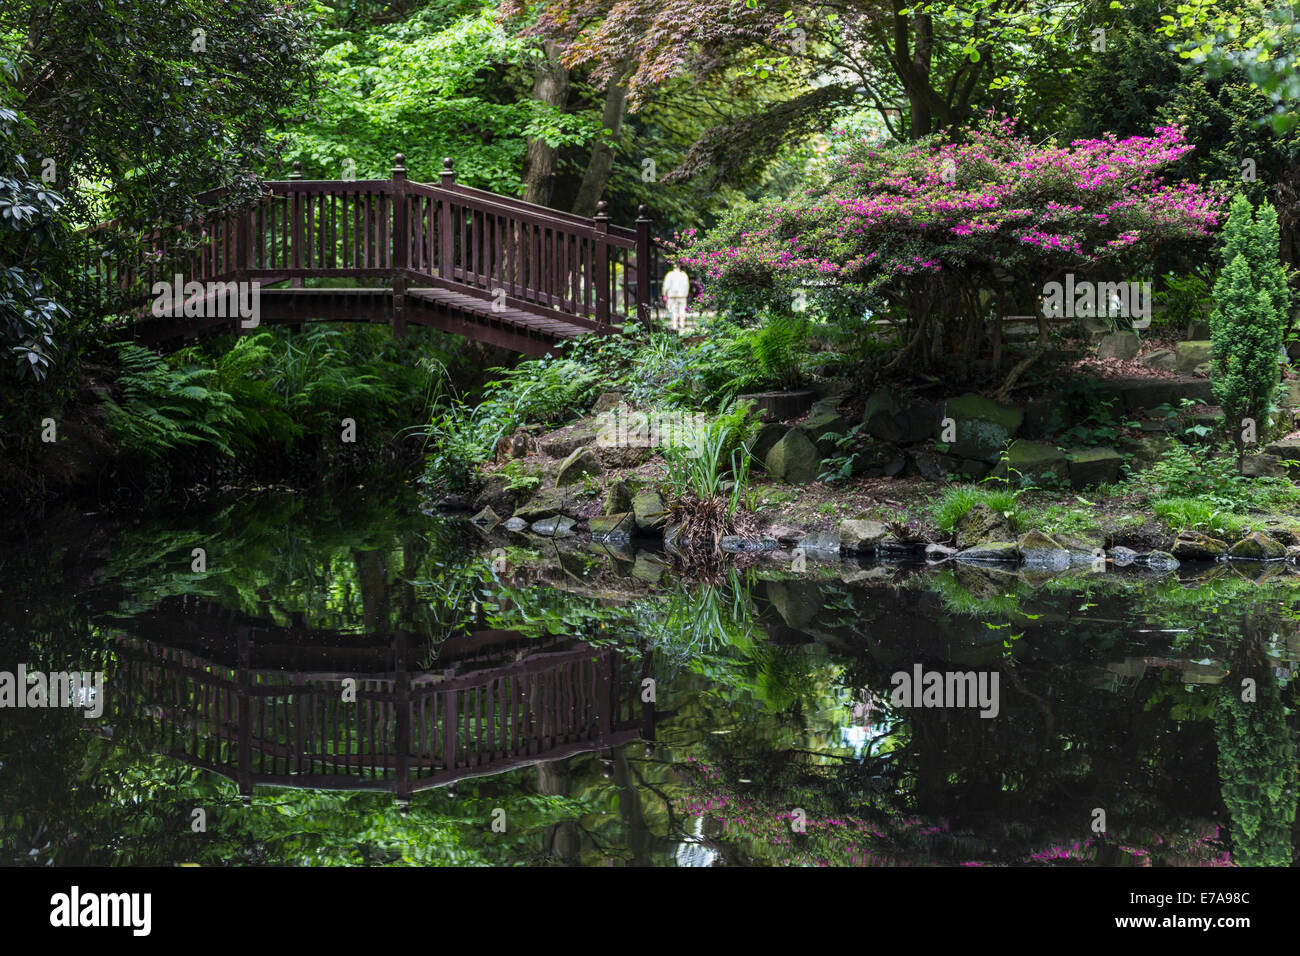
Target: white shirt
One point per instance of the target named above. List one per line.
(677, 284)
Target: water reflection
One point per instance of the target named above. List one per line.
(350, 682)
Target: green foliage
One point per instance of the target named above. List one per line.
(1181, 514)
(1251, 318)
(697, 469)
(1181, 301)
(959, 499)
(462, 436)
(1257, 771)
(30, 233)
(431, 86)
(1198, 471)
(163, 407)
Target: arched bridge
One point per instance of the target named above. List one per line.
(481, 265)
(268, 706)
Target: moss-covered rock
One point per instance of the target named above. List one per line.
(581, 463)
(861, 536)
(618, 498)
(982, 524)
(1258, 547)
(1093, 466)
(1191, 355)
(983, 426)
(613, 527)
(1195, 546)
(794, 459)
(650, 512)
(1037, 462)
(994, 552)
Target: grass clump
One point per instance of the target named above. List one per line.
(957, 500)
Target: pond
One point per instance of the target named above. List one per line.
(347, 680)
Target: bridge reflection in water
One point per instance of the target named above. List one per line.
(279, 706)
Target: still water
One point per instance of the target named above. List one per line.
(347, 680)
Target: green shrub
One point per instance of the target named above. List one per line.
(1250, 320)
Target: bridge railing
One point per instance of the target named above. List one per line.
(402, 731)
(587, 272)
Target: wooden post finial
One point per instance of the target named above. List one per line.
(297, 170)
(399, 159)
(600, 210)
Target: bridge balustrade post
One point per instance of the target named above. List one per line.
(600, 264)
(643, 254)
(295, 234)
(446, 248)
(401, 245)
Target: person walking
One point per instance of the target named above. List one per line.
(677, 290)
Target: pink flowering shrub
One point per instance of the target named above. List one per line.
(941, 232)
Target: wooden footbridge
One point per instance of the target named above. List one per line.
(265, 705)
(481, 265)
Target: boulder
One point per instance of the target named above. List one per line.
(823, 428)
(651, 515)
(980, 524)
(787, 537)
(1159, 561)
(497, 494)
(1041, 551)
(794, 459)
(883, 416)
(1121, 346)
(580, 464)
(1194, 546)
(822, 544)
(545, 504)
(486, 519)
(995, 552)
(559, 526)
(1038, 463)
(1162, 359)
(768, 435)
(647, 567)
(613, 527)
(861, 536)
(618, 499)
(1088, 541)
(1262, 466)
(563, 443)
(1285, 530)
(1190, 355)
(1285, 449)
(983, 426)
(1123, 557)
(1257, 547)
(515, 524)
(608, 401)
(1093, 466)
(938, 552)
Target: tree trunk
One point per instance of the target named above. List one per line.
(550, 86)
(596, 178)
